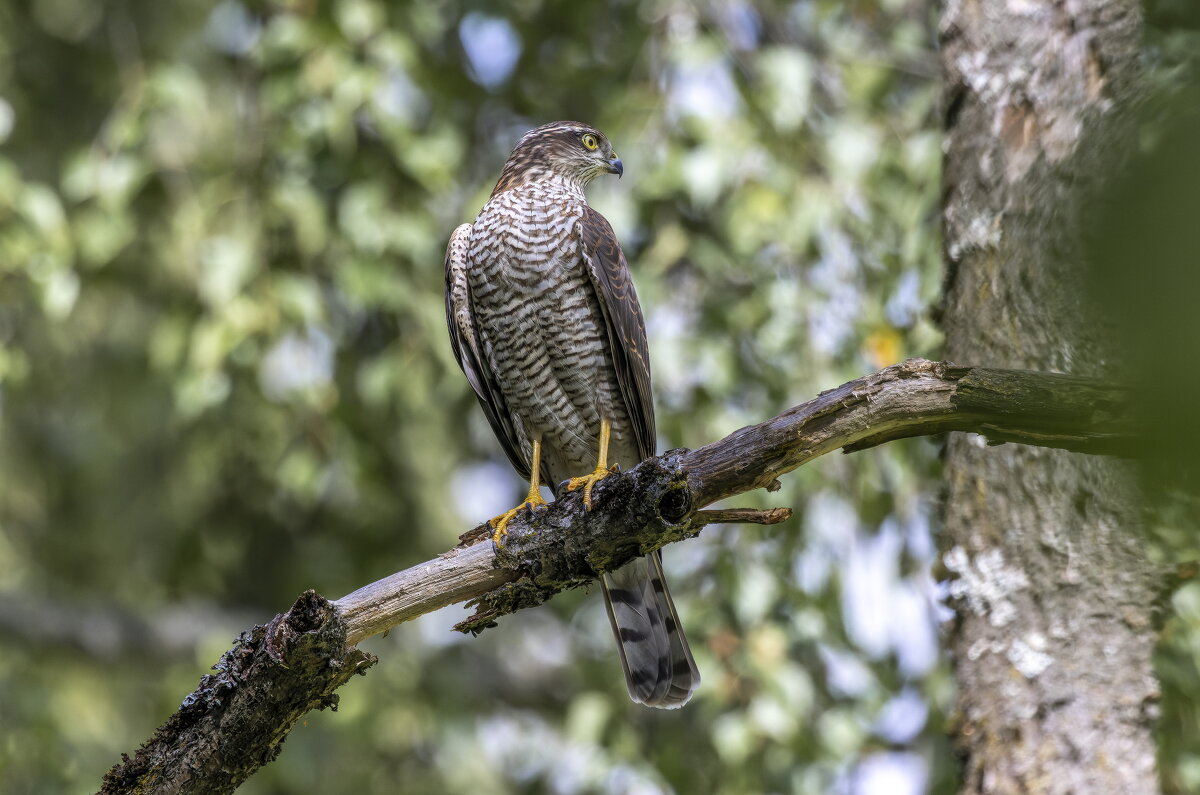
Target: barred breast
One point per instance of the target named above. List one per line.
(542, 330)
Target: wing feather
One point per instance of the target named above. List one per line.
(460, 318)
(658, 665)
(623, 318)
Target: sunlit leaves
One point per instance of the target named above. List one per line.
(223, 361)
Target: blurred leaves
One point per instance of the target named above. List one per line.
(1144, 245)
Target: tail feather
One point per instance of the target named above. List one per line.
(658, 665)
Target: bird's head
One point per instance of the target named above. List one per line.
(569, 149)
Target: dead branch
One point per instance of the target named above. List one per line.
(278, 672)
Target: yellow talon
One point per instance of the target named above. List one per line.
(532, 500)
(601, 471)
(586, 482)
(500, 523)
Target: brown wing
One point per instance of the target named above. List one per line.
(623, 318)
(460, 318)
(658, 665)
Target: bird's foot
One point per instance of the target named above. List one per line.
(499, 523)
(586, 482)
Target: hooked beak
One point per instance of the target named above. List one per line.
(615, 166)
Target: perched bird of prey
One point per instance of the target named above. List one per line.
(547, 328)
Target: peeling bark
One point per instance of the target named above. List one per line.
(1054, 638)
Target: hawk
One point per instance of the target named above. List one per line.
(547, 328)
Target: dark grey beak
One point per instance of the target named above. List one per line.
(615, 166)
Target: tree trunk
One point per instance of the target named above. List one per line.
(1054, 640)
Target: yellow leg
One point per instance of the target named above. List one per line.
(601, 471)
(532, 500)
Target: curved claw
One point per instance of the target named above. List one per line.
(586, 482)
(500, 523)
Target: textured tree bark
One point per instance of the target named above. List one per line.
(237, 719)
(658, 502)
(1054, 638)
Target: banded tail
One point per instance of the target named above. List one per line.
(658, 665)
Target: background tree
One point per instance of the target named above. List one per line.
(225, 379)
(1053, 587)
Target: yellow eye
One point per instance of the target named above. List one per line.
(590, 142)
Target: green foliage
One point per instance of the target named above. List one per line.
(1144, 246)
(225, 378)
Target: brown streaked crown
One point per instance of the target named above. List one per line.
(558, 149)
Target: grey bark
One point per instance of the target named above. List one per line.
(1054, 638)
